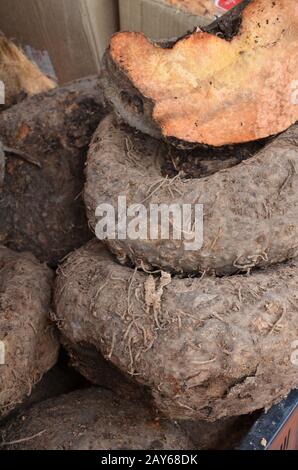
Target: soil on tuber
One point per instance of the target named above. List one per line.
(206, 348)
(210, 87)
(93, 419)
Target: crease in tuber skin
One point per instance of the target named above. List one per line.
(23, 155)
(204, 88)
(93, 419)
(41, 208)
(2, 164)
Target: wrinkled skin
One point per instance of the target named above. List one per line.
(30, 342)
(199, 89)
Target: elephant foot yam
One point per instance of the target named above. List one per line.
(20, 76)
(250, 210)
(90, 363)
(205, 88)
(28, 344)
(45, 140)
(224, 434)
(92, 419)
(210, 8)
(206, 348)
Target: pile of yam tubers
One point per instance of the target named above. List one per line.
(172, 348)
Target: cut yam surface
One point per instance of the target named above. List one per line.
(204, 435)
(205, 89)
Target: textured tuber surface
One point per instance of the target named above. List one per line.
(93, 419)
(20, 76)
(206, 348)
(209, 88)
(47, 137)
(28, 340)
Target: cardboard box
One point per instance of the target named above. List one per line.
(210, 8)
(157, 19)
(65, 37)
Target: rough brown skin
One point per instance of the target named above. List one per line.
(250, 210)
(198, 90)
(20, 76)
(41, 207)
(199, 7)
(196, 7)
(93, 419)
(31, 346)
(54, 383)
(206, 348)
(224, 434)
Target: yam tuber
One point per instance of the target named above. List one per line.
(250, 210)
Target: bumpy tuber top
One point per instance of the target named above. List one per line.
(210, 90)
